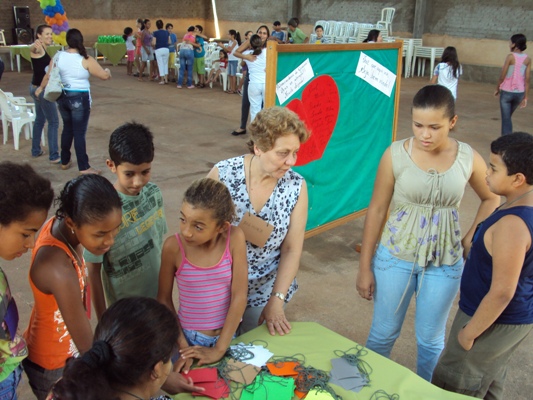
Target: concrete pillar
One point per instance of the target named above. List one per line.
(420, 18)
(293, 8)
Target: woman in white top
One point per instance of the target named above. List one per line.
(256, 61)
(74, 105)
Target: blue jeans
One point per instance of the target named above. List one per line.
(195, 338)
(45, 111)
(436, 288)
(8, 387)
(75, 108)
(186, 61)
(509, 102)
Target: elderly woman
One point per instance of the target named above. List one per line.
(271, 206)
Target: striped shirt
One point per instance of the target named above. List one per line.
(204, 292)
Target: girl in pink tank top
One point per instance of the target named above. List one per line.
(208, 260)
(513, 85)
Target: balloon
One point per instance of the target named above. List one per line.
(56, 17)
(60, 40)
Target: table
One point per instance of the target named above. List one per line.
(426, 52)
(408, 50)
(318, 345)
(114, 52)
(24, 51)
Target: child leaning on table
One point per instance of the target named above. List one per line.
(496, 305)
(208, 260)
(131, 266)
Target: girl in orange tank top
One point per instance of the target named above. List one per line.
(89, 215)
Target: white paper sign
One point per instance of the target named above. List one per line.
(294, 81)
(375, 74)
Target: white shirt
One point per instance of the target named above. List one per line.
(257, 68)
(444, 71)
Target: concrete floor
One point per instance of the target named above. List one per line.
(191, 129)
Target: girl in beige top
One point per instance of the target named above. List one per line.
(420, 251)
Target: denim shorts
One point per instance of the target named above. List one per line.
(232, 67)
(8, 387)
(195, 338)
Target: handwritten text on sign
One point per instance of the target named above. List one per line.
(294, 81)
(375, 74)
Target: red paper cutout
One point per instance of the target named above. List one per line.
(202, 375)
(215, 390)
(319, 110)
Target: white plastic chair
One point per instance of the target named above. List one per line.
(330, 31)
(223, 77)
(387, 15)
(25, 121)
(349, 30)
(423, 52)
(2, 38)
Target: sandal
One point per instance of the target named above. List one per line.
(66, 166)
(230, 91)
(91, 170)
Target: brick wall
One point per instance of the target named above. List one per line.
(110, 10)
(490, 19)
(7, 21)
(252, 10)
(358, 11)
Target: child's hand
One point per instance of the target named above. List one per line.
(465, 342)
(204, 355)
(183, 365)
(523, 104)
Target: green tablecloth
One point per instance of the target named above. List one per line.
(24, 51)
(318, 345)
(114, 52)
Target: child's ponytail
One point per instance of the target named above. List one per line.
(86, 375)
(257, 44)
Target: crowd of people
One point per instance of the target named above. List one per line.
(241, 230)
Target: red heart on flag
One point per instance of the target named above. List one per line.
(319, 110)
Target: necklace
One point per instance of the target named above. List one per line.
(131, 394)
(515, 200)
(74, 252)
(85, 298)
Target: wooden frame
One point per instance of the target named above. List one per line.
(273, 49)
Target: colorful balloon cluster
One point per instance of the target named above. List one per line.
(56, 17)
